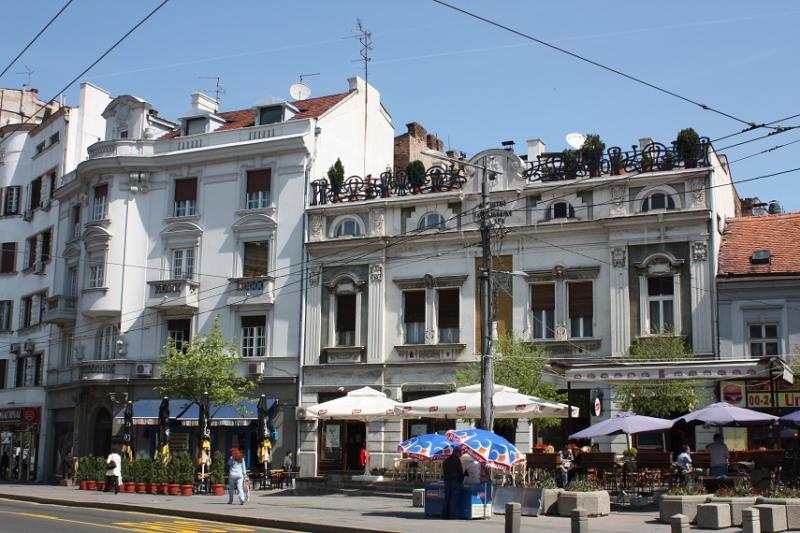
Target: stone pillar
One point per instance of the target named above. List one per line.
(619, 303)
(513, 517)
(751, 522)
(702, 300)
(679, 523)
(375, 319)
(313, 317)
(580, 521)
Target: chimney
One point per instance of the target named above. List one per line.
(416, 130)
(204, 102)
(535, 149)
(508, 146)
(644, 142)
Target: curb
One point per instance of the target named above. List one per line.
(200, 515)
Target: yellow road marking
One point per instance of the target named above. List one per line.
(79, 522)
(182, 526)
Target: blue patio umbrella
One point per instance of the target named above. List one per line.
(791, 420)
(487, 447)
(430, 447)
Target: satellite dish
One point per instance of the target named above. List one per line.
(299, 91)
(576, 140)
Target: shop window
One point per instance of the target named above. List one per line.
(100, 202)
(256, 259)
(543, 307)
(180, 331)
(448, 315)
(345, 319)
(661, 305)
(8, 263)
(580, 308)
(254, 336)
(258, 187)
(764, 340)
(414, 317)
(185, 197)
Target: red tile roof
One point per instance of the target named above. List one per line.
(779, 234)
(243, 118)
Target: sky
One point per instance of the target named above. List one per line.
(473, 84)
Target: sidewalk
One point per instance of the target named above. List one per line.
(339, 513)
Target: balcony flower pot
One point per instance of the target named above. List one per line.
(91, 485)
(591, 152)
(130, 486)
(186, 490)
(173, 489)
(687, 144)
(737, 505)
(218, 489)
(596, 502)
(152, 488)
(163, 488)
(84, 485)
(140, 488)
(685, 504)
(101, 486)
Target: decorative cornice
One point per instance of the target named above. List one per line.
(561, 272)
(431, 281)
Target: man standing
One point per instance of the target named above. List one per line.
(719, 456)
(453, 474)
(113, 470)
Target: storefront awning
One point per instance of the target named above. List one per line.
(145, 413)
(694, 369)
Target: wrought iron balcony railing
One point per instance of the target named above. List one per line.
(388, 184)
(652, 158)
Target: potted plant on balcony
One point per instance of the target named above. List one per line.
(617, 160)
(218, 474)
(740, 496)
(687, 144)
(592, 153)
(336, 179)
(415, 173)
(682, 500)
(646, 163)
(668, 161)
(569, 159)
(584, 493)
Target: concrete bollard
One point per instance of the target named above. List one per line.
(580, 521)
(513, 516)
(679, 523)
(418, 498)
(751, 521)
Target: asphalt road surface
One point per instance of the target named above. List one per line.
(25, 517)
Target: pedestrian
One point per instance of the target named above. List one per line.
(453, 474)
(566, 459)
(237, 472)
(113, 470)
(472, 474)
(287, 462)
(4, 462)
(718, 457)
(684, 463)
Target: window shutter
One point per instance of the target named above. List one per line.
(543, 296)
(414, 306)
(580, 299)
(185, 189)
(259, 180)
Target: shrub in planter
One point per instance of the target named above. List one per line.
(687, 144)
(667, 162)
(682, 500)
(739, 497)
(592, 153)
(336, 178)
(646, 163)
(217, 473)
(583, 493)
(415, 173)
(173, 487)
(569, 159)
(83, 470)
(186, 473)
(617, 161)
(100, 472)
(143, 475)
(547, 483)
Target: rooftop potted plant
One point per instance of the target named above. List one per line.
(584, 493)
(569, 158)
(668, 161)
(218, 473)
(687, 144)
(682, 500)
(617, 160)
(336, 178)
(591, 152)
(740, 496)
(415, 173)
(646, 163)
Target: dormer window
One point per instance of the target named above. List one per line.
(196, 125)
(270, 115)
(561, 210)
(123, 134)
(658, 201)
(761, 257)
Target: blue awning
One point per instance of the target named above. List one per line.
(145, 413)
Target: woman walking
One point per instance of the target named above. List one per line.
(237, 472)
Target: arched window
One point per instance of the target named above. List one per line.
(348, 228)
(561, 210)
(107, 342)
(431, 221)
(658, 200)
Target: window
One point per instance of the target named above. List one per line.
(448, 315)
(6, 308)
(45, 242)
(256, 259)
(764, 340)
(32, 309)
(270, 115)
(348, 228)
(67, 347)
(3, 373)
(258, 188)
(254, 336)
(36, 193)
(11, 201)
(54, 138)
(29, 371)
(107, 342)
(414, 317)
(561, 210)
(30, 253)
(123, 134)
(52, 186)
(40, 147)
(185, 197)
(656, 201)
(543, 307)
(183, 263)
(661, 304)
(99, 203)
(180, 331)
(76, 222)
(8, 263)
(71, 282)
(580, 309)
(96, 273)
(196, 125)
(432, 221)
(345, 319)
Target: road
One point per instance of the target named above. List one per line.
(25, 517)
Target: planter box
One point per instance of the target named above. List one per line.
(596, 503)
(737, 504)
(715, 515)
(671, 505)
(550, 501)
(792, 509)
(772, 517)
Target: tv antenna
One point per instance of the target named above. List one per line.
(218, 90)
(28, 73)
(365, 38)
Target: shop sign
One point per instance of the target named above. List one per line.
(20, 415)
(756, 394)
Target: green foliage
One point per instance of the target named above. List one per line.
(217, 468)
(415, 171)
(688, 143)
(184, 468)
(158, 475)
(543, 479)
(740, 488)
(208, 364)
(520, 365)
(84, 471)
(145, 470)
(592, 146)
(100, 467)
(336, 175)
(664, 399)
(583, 484)
(689, 490)
(128, 470)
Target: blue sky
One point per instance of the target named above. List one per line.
(473, 84)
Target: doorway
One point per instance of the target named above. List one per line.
(340, 445)
(102, 432)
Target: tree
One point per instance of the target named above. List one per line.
(663, 398)
(520, 365)
(208, 364)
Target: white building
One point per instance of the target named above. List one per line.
(605, 258)
(170, 224)
(39, 143)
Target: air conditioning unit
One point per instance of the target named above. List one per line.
(144, 369)
(255, 368)
(27, 215)
(38, 267)
(300, 413)
(15, 348)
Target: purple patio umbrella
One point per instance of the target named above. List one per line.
(725, 414)
(791, 420)
(627, 423)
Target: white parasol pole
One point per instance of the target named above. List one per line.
(366, 446)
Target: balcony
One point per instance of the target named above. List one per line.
(61, 310)
(110, 369)
(342, 355)
(389, 184)
(251, 291)
(173, 295)
(121, 147)
(654, 157)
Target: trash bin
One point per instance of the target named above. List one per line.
(434, 498)
(475, 501)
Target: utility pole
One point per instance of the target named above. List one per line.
(487, 359)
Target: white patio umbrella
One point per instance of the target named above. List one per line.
(465, 402)
(364, 405)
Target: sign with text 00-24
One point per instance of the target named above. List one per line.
(756, 394)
